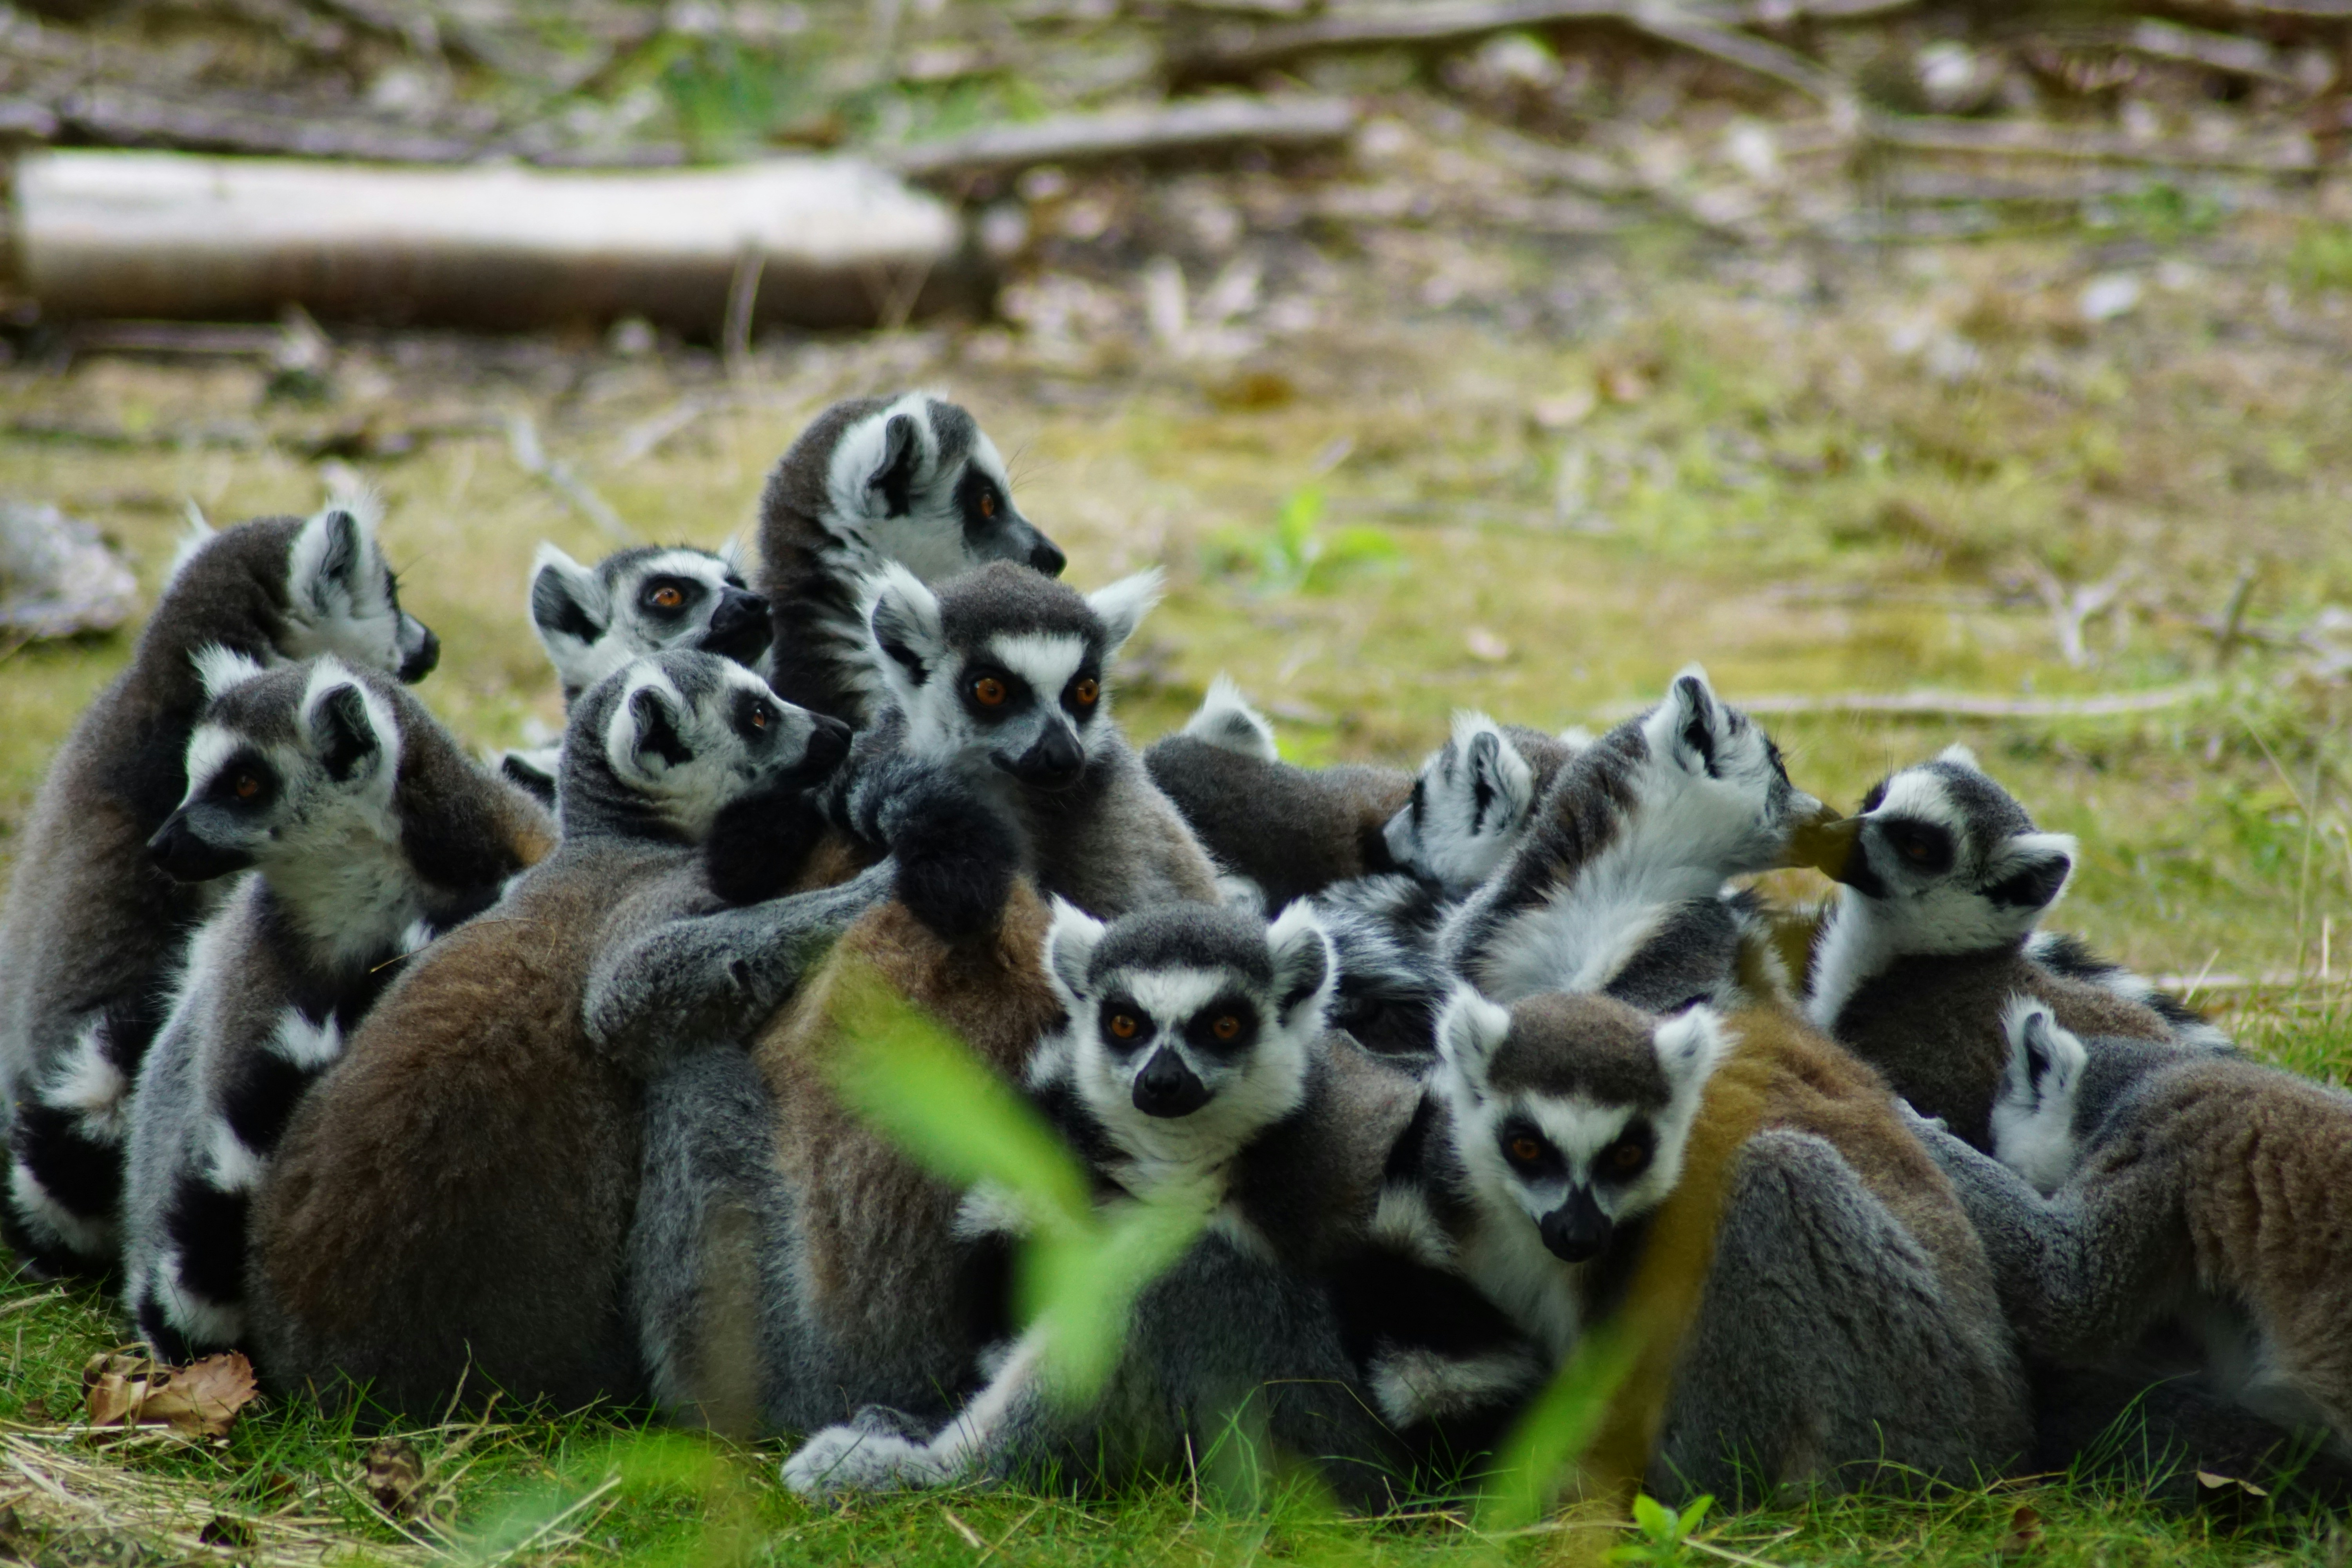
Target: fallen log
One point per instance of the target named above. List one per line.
(841, 243)
(1186, 129)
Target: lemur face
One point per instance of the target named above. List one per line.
(1572, 1112)
(280, 763)
(1717, 781)
(343, 598)
(1186, 1013)
(1469, 805)
(2034, 1130)
(637, 602)
(1944, 860)
(689, 733)
(918, 482)
(1004, 667)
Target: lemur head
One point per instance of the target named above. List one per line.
(1469, 804)
(342, 597)
(1713, 779)
(911, 479)
(657, 747)
(1186, 1011)
(1941, 859)
(282, 764)
(1573, 1109)
(1005, 665)
(593, 620)
(2034, 1118)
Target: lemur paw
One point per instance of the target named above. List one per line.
(858, 1457)
(957, 857)
(758, 843)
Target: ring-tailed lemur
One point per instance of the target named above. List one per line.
(909, 478)
(1618, 883)
(1286, 830)
(93, 926)
(1567, 1126)
(1945, 879)
(370, 832)
(451, 1202)
(593, 620)
(1001, 724)
(1195, 1069)
(2184, 1210)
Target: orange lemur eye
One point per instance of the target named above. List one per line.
(246, 786)
(1085, 692)
(988, 692)
(987, 503)
(667, 597)
(1525, 1150)
(1627, 1158)
(1226, 1027)
(759, 718)
(1123, 1026)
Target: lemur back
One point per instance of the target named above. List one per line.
(371, 832)
(909, 478)
(91, 928)
(451, 1201)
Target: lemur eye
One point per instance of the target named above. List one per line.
(1123, 1026)
(666, 597)
(1226, 1027)
(1085, 692)
(988, 692)
(1523, 1151)
(1626, 1159)
(244, 786)
(759, 718)
(987, 503)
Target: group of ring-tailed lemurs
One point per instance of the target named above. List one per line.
(408, 1074)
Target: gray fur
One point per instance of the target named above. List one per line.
(91, 929)
(909, 478)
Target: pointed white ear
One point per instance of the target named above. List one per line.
(1689, 725)
(1576, 737)
(1123, 605)
(219, 669)
(1070, 943)
(347, 728)
(334, 554)
(1959, 756)
(902, 620)
(193, 536)
(643, 739)
(1495, 763)
(569, 607)
(2045, 1059)
(1691, 1045)
(1468, 1030)
(2029, 871)
(1226, 720)
(1304, 973)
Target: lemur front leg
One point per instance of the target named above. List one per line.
(871, 1454)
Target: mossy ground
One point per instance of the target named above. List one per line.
(1831, 474)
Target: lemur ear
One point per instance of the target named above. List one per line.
(1497, 771)
(1227, 721)
(1691, 1044)
(1303, 970)
(1468, 1030)
(567, 603)
(645, 736)
(1959, 756)
(893, 477)
(1693, 728)
(903, 617)
(1122, 607)
(329, 557)
(2029, 871)
(2043, 1058)
(1070, 943)
(219, 668)
(335, 712)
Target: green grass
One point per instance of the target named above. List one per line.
(1765, 483)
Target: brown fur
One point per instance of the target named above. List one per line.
(1932, 1025)
(903, 1315)
(451, 1200)
(1293, 830)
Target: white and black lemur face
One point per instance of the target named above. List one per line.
(683, 733)
(1574, 1111)
(1003, 665)
(1714, 781)
(593, 620)
(343, 598)
(1468, 809)
(1189, 1025)
(2035, 1117)
(1941, 859)
(917, 482)
(283, 764)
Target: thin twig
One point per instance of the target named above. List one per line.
(530, 457)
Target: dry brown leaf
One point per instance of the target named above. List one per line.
(2025, 1534)
(2228, 1499)
(200, 1400)
(395, 1476)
